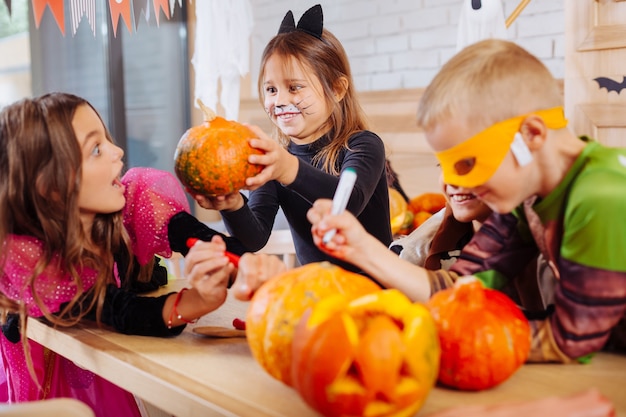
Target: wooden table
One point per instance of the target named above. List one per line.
(193, 375)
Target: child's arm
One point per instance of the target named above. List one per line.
(207, 259)
(183, 225)
(253, 223)
(157, 217)
(589, 303)
(353, 244)
(497, 252)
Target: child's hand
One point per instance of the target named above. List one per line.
(350, 239)
(209, 270)
(228, 202)
(279, 164)
(254, 270)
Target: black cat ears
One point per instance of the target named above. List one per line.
(311, 22)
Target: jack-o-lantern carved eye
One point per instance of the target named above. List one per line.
(484, 336)
(212, 158)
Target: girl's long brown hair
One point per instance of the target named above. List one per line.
(328, 61)
(40, 177)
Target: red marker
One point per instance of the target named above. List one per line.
(234, 259)
(239, 324)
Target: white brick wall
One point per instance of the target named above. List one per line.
(403, 43)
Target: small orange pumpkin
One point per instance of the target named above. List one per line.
(279, 303)
(374, 356)
(428, 202)
(212, 158)
(419, 218)
(398, 208)
(484, 336)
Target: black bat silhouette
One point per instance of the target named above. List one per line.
(611, 85)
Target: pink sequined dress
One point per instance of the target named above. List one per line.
(152, 198)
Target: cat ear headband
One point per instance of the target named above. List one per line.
(311, 22)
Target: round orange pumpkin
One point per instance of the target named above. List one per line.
(279, 303)
(212, 158)
(377, 355)
(428, 202)
(420, 217)
(484, 336)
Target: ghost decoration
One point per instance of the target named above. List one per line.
(222, 49)
(480, 19)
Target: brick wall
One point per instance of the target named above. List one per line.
(395, 44)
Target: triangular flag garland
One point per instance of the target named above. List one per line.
(8, 3)
(127, 9)
(161, 5)
(119, 8)
(56, 7)
(223, 26)
(173, 5)
(140, 6)
(80, 8)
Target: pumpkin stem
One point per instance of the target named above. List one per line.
(209, 114)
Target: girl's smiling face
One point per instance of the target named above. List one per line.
(100, 187)
(466, 207)
(294, 100)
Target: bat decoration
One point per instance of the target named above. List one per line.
(611, 85)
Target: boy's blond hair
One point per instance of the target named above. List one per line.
(487, 82)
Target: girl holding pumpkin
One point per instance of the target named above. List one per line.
(79, 242)
(306, 88)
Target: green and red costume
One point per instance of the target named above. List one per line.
(580, 227)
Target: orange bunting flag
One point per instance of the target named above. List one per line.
(120, 8)
(161, 5)
(56, 7)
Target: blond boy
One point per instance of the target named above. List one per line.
(494, 117)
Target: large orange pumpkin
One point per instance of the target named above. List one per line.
(278, 305)
(374, 356)
(212, 158)
(484, 336)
